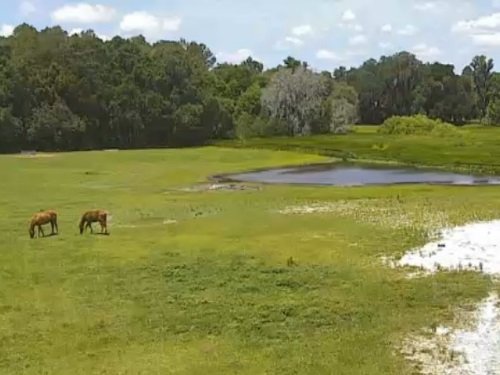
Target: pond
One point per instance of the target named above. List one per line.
(349, 174)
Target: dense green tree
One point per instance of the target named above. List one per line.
(65, 92)
(343, 108)
(482, 70)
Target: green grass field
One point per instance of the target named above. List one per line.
(197, 282)
(473, 148)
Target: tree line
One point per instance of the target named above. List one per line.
(78, 92)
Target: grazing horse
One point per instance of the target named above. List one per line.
(93, 216)
(42, 218)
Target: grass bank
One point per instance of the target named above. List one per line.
(473, 148)
(199, 282)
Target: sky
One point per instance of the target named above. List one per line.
(325, 33)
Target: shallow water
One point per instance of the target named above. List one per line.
(357, 175)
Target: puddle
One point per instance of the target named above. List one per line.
(350, 174)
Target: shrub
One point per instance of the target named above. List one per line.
(493, 113)
(249, 126)
(416, 125)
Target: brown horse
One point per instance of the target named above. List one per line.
(93, 216)
(42, 218)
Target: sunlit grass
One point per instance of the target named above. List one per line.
(472, 148)
(199, 282)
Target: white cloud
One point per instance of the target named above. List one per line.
(324, 54)
(487, 40)
(348, 18)
(352, 53)
(425, 52)
(351, 26)
(6, 30)
(172, 23)
(386, 45)
(288, 42)
(27, 8)
(479, 25)
(425, 6)
(408, 30)
(295, 41)
(83, 13)
(149, 25)
(358, 40)
(483, 31)
(235, 57)
(348, 15)
(387, 28)
(302, 30)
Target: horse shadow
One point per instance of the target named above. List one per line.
(48, 235)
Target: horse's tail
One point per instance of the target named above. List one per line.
(82, 223)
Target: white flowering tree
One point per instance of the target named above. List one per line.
(294, 97)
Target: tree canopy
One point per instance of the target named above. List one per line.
(78, 92)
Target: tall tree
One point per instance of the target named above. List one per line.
(482, 69)
(295, 97)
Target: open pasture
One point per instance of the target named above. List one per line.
(215, 281)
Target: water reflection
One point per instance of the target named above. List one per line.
(345, 174)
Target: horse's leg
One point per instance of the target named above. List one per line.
(89, 225)
(102, 223)
(41, 230)
(53, 224)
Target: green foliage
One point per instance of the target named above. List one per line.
(401, 85)
(249, 126)
(55, 126)
(416, 125)
(344, 108)
(482, 69)
(128, 93)
(493, 112)
(79, 92)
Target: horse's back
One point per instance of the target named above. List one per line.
(95, 215)
(41, 218)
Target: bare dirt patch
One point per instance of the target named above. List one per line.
(219, 187)
(36, 155)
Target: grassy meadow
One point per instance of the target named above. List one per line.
(197, 282)
(472, 148)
